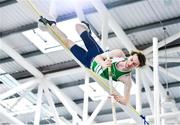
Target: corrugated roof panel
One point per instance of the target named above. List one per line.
(49, 58)
(3, 88)
(134, 18)
(172, 29)
(73, 76)
(15, 15)
(77, 76)
(164, 76)
(115, 43)
(177, 54)
(174, 92)
(142, 13)
(11, 67)
(40, 60)
(62, 111)
(146, 36)
(175, 70)
(165, 9)
(59, 56)
(19, 43)
(61, 80)
(3, 54)
(95, 21)
(141, 38)
(130, 21)
(73, 92)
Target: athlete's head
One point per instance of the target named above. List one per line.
(136, 59)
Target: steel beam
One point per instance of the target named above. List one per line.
(7, 2)
(37, 74)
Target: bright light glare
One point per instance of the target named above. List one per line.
(43, 40)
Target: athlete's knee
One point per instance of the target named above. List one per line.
(69, 43)
(80, 28)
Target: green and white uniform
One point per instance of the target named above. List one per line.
(103, 72)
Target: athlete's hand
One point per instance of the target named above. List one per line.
(106, 63)
(120, 99)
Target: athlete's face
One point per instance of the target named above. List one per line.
(132, 62)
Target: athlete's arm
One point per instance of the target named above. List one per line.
(102, 58)
(127, 88)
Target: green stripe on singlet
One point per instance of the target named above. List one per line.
(116, 74)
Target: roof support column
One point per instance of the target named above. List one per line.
(138, 92)
(156, 83)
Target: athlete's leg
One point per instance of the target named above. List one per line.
(88, 40)
(77, 51)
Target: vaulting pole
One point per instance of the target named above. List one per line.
(52, 29)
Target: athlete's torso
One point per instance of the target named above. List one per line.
(103, 72)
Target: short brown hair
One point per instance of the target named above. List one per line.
(141, 58)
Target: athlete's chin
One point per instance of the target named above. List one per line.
(130, 67)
